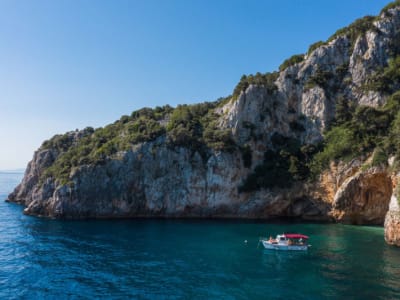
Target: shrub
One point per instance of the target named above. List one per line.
(184, 127)
(390, 6)
(344, 110)
(359, 131)
(267, 80)
(287, 163)
(96, 146)
(339, 143)
(379, 157)
(320, 78)
(355, 29)
(342, 70)
(272, 173)
(219, 139)
(195, 126)
(295, 59)
(385, 80)
(60, 142)
(315, 46)
(392, 142)
(143, 130)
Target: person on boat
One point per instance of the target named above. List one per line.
(272, 240)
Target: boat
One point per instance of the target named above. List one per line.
(286, 241)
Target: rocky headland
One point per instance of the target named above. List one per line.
(316, 140)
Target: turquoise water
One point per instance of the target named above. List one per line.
(187, 259)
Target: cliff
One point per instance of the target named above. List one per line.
(287, 143)
(392, 220)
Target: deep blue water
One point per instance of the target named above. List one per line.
(187, 259)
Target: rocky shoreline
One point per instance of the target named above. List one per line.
(154, 179)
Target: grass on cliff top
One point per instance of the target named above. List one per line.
(352, 32)
(195, 126)
(390, 6)
(267, 80)
(294, 59)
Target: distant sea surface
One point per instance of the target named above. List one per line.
(187, 259)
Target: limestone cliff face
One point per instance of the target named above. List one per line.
(353, 193)
(31, 187)
(392, 220)
(155, 179)
(346, 68)
(363, 198)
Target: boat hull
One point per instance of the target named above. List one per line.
(272, 246)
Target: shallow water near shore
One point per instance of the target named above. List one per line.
(187, 259)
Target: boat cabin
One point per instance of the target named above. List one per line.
(291, 239)
(287, 241)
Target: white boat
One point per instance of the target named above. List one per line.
(286, 241)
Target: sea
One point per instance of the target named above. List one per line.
(187, 259)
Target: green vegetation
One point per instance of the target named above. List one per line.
(342, 70)
(354, 132)
(217, 138)
(337, 144)
(315, 46)
(185, 125)
(61, 142)
(96, 146)
(195, 126)
(295, 59)
(379, 157)
(344, 111)
(390, 6)
(387, 80)
(191, 126)
(359, 131)
(355, 29)
(397, 190)
(320, 78)
(284, 165)
(267, 80)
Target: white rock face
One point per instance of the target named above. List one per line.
(153, 180)
(364, 197)
(392, 220)
(394, 204)
(255, 113)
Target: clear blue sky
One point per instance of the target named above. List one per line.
(70, 64)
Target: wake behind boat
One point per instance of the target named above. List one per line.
(286, 241)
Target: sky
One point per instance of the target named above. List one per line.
(68, 64)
